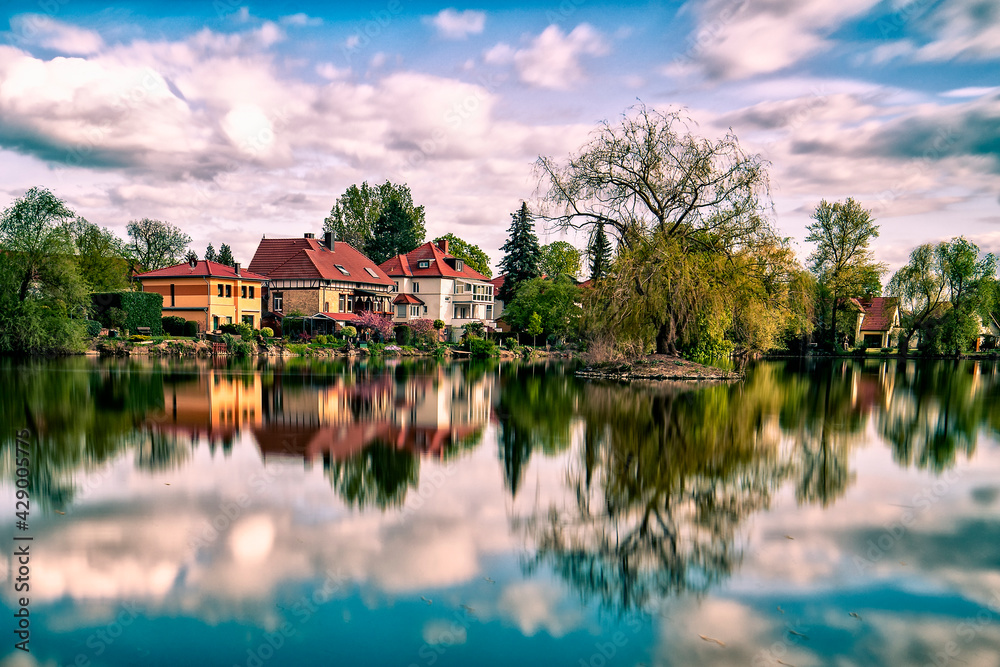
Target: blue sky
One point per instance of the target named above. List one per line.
(234, 120)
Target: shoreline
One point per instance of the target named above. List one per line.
(657, 367)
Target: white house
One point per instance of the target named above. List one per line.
(433, 285)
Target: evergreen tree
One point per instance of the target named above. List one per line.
(600, 253)
(225, 255)
(210, 255)
(394, 233)
(522, 254)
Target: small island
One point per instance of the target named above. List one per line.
(656, 367)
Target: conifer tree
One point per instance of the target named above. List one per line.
(210, 253)
(225, 255)
(600, 253)
(522, 254)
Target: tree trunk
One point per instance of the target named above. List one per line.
(833, 323)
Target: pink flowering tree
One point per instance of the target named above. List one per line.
(423, 330)
(375, 322)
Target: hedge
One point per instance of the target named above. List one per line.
(174, 325)
(142, 309)
(403, 334)
(191, 328)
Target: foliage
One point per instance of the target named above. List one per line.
(842, 261)
(686, 212)
(425, 334)
(156, 244)
(534, 326)
(240, 349)
(403, 334)
(480, 348)
(522, 254)
(93, 328)
(471, 254)
(141, 309)
(375, 322)
(353, 216)
(291, 326)
(599, 252)
(560, 258)
(555, 302)
(439, 324)
(475, 329)
(210, 255)
(395, 232)
(101, 257)
(41, 288)
(267, 332)
(244, 331)
(137, 338)
(226, 256)
(191, 328)
(173, 325)
(349, 332)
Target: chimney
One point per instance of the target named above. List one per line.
(443, 245)
(193, 263)
(236, 267)
(308, 235)
(328, 240)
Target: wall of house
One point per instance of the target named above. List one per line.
(193, 295)
(438, 295)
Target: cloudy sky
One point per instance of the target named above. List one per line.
(234, 120)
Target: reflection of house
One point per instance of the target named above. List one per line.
(310, 276)
(424, 414)
(878, 320)
(435, 285)
(214, 404)
(208, 293)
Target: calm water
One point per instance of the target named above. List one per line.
(417, 514)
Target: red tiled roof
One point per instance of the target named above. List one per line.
(340, 317)
(441, 264)
(498, 283)
(407, 298)
(303, 259)
(879, 312)
(201, 269)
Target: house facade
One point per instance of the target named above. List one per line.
(431, 284)
(208, 293)
(310, 276)
(878, 320)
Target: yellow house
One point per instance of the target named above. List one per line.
(208, 293)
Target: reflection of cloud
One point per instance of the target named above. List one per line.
(443, 632)
(251, 539)
(535, 605)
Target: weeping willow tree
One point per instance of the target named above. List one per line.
(698, 264)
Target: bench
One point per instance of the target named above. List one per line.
(143, 331)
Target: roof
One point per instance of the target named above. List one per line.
(879, 312)
(407, 298)
(201, 269)
(498, 283)
(303, 259)
(441, 265)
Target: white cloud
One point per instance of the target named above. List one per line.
(552, 59)
(56, 35)
(963, 30)
(452, 24)
(300, 20)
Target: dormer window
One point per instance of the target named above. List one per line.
(424, 264)
(340, 267)
(459, 265)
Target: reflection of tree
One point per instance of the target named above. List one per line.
(666, 478)
(161, 452)
(378, 476)
(937, 410)
(535, 411)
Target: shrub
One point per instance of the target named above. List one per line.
(321, 339)
(349, 332)
(173, 325)
(191, 328)
(138, 339)
(93, 328)
(238, 329)
(376, 349)
(476, 329)
(404, 334)
(481, 348)
(439, 324)
(267, 332)
(237, 348)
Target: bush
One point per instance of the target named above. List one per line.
(267, 332)
(138, 339)
(476, 329)
(439, 324)
(403, 334)
(349, 332)
(481, 349)
(321, 339)
(244, 331)
(93, 328)
(237, 348)
(142, 309)
(191, 328)
(173, 325)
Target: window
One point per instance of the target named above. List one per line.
(229, 290)
(396, 286)
(220, 293)
(425, 310)
(277, 299)
(248, 319)
(340, 267)
(424, 264)
(459, 265)
(371, 272)
(341, 303)
(251, 291)
(172, 294)
(414, 311)
(350, 304)
(215, 319)
(229, 320)
(416, 287)
(243, 291)
(326, 306)
(401, 310)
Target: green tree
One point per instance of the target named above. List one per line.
(210, 253)
(394, 232)
(225, 256)
(42, 295)
(472, 255)
(842, 261)
(353, 216)
(522, 255)
(681, 208)
(535, 327)
(156, 244)
(101, 256)
(556, 302)
(560, 258)
(599, 253)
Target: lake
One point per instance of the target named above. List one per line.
(415, 513)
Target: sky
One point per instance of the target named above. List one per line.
(235, 120)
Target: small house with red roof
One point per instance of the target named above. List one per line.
(878, 320)
(432, 284)
(329, 277)
(208, 293)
